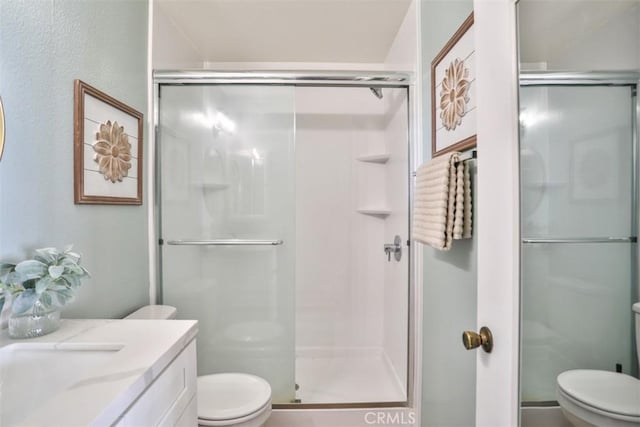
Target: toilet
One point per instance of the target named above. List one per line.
(601, 398)
(229, 399)
(239, 400)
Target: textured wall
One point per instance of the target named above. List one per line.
(44, 46)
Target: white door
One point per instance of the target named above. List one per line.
(498, 211)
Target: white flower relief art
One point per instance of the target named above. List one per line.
(112, 151)
(454, 94)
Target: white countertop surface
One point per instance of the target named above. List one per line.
(147, 348)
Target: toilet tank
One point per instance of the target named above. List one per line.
(154, 312)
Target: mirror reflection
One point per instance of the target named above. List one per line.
(579, 72)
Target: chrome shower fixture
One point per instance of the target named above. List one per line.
(377, 91)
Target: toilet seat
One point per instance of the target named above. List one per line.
(232, 398)
(609, 394)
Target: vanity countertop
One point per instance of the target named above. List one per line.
(143, 349)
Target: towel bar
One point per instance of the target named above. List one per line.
(225, 242)
(467, 155)
(631, 239)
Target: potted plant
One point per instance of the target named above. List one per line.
(38, 289)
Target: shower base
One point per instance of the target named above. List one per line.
(362, 375)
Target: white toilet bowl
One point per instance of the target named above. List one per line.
(234, 399)
(239, 400)
(601, 398)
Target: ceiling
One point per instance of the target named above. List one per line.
(349, 31)
(549, 27)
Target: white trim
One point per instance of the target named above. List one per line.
(415, 93)
(150, 160)
(497, 387)
(331, 66)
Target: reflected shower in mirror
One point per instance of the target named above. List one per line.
(579, 72)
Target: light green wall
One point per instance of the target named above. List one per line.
(449, 304)
(44, 46)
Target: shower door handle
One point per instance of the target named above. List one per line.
(225, 242)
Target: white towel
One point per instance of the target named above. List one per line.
(442, 202)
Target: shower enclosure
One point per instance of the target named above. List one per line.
(579, 219)
(280, 197)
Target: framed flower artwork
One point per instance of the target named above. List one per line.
(107, 149)
(453, 103)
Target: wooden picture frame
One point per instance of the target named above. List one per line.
(453, 104)
(595, 171)
(108, 149)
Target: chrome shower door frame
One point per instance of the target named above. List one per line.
(585, 79)
(372, 79)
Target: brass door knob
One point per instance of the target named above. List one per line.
(473, 340)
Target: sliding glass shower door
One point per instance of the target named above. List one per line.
(227, 233)
(578, 220)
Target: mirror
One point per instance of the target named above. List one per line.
(579, 72)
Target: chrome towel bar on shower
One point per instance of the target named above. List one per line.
(225, 242)
(631, 239)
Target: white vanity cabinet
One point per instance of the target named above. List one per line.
(170, 400)
(101, 372)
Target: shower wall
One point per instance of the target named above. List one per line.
(396, 279)
(351, 303)
(339, 272)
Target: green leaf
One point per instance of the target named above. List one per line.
(46, 299)
(43, 284)
(24, 301)
(72, 256)
(5, 271)
(56, 271)
(31, 269)
(73, 281)
(69, 294)
(6, 268)
(58, 285)
(47, 255)
(73, 269)
(12, 278)
(61, 298)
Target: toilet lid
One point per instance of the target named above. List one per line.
(230, 396)
(607, 391)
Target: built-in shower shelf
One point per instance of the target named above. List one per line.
(383, 213)
(374, 158)
(212, 186)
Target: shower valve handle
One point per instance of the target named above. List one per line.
(394, 248)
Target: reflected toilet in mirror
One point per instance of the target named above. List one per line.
(579, 218)
(601, 398)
